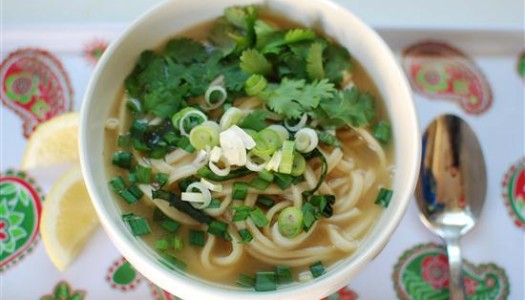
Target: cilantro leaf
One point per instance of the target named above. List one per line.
(337, 62)
(234, 77)
(298, 34)
(292, 98)
(314, 65)
(347, 107)
(240, 17)
(185, 50)
(255, 120)
(221, 36)
(253, 62)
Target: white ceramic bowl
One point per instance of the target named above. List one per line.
(170, 17)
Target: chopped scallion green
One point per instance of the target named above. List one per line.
(284, 274)
(138, 225)
(265, 175)
(260, 184)
(161, 244)
(308, 215)
(184, 144)
(383, 197)
(258, 217)
(117, 184)
(246, 235)
(240, 190)
(217, 228)
(143, 174)
(283, 181)
(246, 281)
(161, 179)
(122, 159)
(197, 238)
(265, 281)
(265, 201)
(241, 213)
(178, 243)
(123, 140)
(170, 225)
(317, 269)
(215, 203)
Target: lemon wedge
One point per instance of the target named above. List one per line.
(54, 142)
(68, 218)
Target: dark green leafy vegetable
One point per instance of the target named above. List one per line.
(182, 206)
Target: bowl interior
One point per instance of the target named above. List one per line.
(170, 17)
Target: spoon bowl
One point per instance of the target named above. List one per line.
(451, 188)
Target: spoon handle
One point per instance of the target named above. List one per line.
(457, 285)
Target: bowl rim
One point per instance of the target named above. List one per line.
(173, 282)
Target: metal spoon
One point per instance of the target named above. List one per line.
(451, 188)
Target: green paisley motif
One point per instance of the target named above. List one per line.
(21, 87)
(10, 229)
(433, 78)
(63, 292)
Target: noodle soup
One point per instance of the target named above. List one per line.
(250, 151)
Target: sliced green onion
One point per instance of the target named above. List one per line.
(174, 261)
(206, 195)
(255, 163)
(241, 213)
(255, 84)
(284, 274)
(184, 144)
(215, 203)
(258, 217)
(230, 117)
(171, 138)
(187, 119)
(383, 197)
(300, 124)
(185, 183)
(117, 184)
(265, 201)
(283, 181)
(138, 225)
(161, 179)
(161, 244)
(265, 281)
(139, 145)
(299, 165)
(132, 194)
(382, 131)
(205, 135)
(273, 163)
(240, 191)
(281, 131)
(290, 222)
(213, 90)
(246, 235)
(143, 174)
(158, 153)
(317, 269)
(245, 281)
(138, 127)
(267, 142)
(260, 184)
(266, 175)
(286, 164)
(123, 140)
(170, 225)
(197, 237)
(308, 215)
(178, 243)
(306, 140)
(217, 228)
(122, 159)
